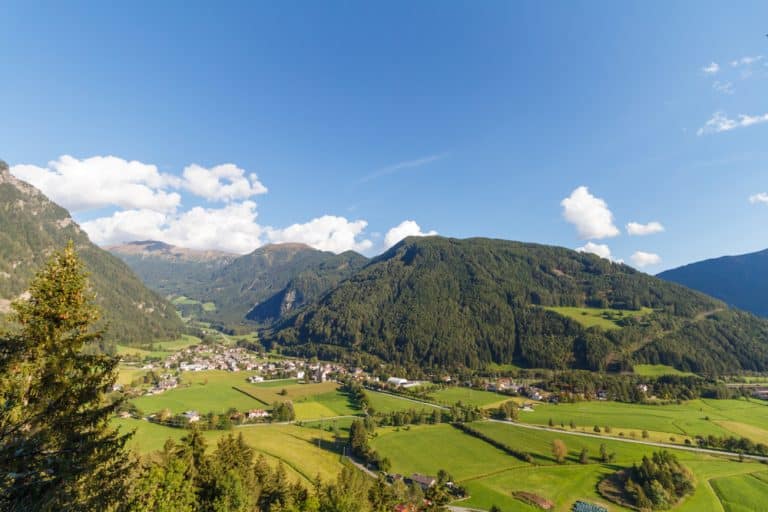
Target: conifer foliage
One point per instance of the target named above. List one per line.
(57, 451)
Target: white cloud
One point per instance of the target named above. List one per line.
(327, 233)
(746, 61)
(762, 197)
(712, 68)
(231, 228)
(643, 259)
(225, 182)
(404, 229)
(589, 214)
(601, 250)
(102, 181)
(722, 123)
(637, 229)
(723, 87)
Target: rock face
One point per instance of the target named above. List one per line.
(32, 227)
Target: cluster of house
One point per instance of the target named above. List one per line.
(212, 357)
(252, 415)
(166, 382)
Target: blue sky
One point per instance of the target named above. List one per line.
(468, 119)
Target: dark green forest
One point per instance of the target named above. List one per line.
(437, 302)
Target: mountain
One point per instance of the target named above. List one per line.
(168, 269)
(440, 302)
(259, 287)
(741, 281)
(32, 227)
(275, 279)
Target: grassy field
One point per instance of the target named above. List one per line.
(427, 449)
(742, 493)
(491, 476)
(599, 317)
(296, 447)
(696, 417)
(453, 394)
(384, 403)
(657, 370)
(159, 349)
(213, 391)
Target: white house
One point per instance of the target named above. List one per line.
(192, 416)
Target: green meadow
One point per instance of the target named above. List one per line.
(742, 493)
(696, 417)
(657, 370)
(468, 396)
(599, 317)
(491, 476)
(384, 403)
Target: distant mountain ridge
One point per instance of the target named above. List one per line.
(440, 302)
(741, 281)
(157, 249)
(259, 287)
(32, 227)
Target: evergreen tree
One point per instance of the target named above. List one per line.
(57, 450)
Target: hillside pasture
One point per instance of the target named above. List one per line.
(386, 403)
(604, 318)
(658, 370)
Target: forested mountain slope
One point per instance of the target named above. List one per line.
(741, 281)
(168, 269)
(440, 302)
(32, 227)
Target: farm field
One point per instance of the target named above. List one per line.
(468, 396)
(429, 448)
(296, 447)
(384, 403)
(491, 475)
(743, 492)
(159, 349)
(696, 417)
(213, 391)
(599, 317)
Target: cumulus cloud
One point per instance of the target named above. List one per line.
(601, 250)
(404, 229)
(589, 214)
(711, 69)
(637, 229)
(327, 233)
(232, 228)
(226, 182)
(102, 181)
(722, 123)
(644, 259)
(762, 197)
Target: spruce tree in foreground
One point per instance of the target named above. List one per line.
(57, 451)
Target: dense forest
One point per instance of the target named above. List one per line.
(32, 227)
(439, 302)
(259, 287)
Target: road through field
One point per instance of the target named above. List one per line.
(617, 439)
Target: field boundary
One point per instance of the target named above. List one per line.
(250, 395)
